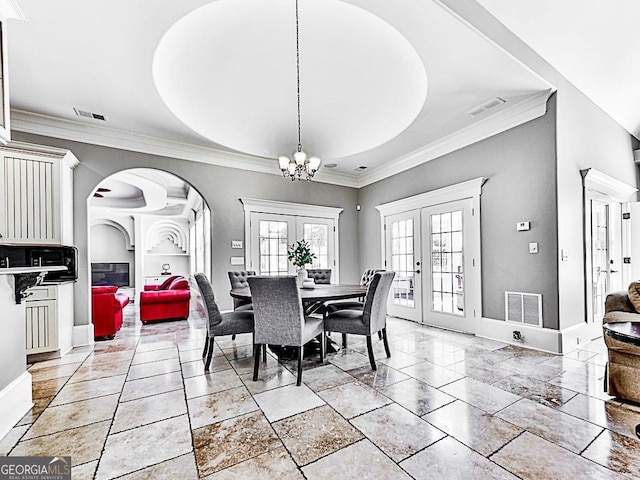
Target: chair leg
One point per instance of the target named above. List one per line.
(206, 345)
(323, 346)
(300, 352)
(386, 342)
(264, 354)
(256, 360)
(372, 360)
(209, 354)
(233, 337)
(344, 340)
(379, 334)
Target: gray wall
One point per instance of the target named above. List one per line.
(520, 165)
(221, 188)
(109, 245)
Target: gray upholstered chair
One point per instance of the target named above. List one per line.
(320, 275)
(220, 323)
(238, 279)
(371, 319)
(279, 318)
(334, 306)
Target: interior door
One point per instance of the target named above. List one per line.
(446, 244)
(402, 243)
(270, 236)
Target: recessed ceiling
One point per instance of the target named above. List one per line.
(355, 69)
(99, 56)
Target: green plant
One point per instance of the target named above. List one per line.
(300, 254)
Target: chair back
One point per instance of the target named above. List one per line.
(277, 310)
(367, 276)
(374, 313)
(320, 275)
(238, 279)
(213, 312)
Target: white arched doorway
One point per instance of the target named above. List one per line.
(143, 223)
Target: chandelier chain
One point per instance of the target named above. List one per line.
(298, 72)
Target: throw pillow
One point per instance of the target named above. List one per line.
(634, 294)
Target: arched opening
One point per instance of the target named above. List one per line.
(145, 225)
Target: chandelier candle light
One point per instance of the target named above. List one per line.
(300, 166)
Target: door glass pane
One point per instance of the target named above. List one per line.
(447, 286)
(600, 256)
(317, 235)
(273, 236)
(402, 262)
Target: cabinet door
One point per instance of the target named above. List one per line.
(42, 326)
(29, 202)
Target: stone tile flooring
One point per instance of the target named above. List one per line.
(444, 406)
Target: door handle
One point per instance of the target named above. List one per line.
(613, 271)
(416, 271)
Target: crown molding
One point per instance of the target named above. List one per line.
(9, 9)
(598, 181)
(288, 208)
(511, 116)
(37, 124)
(528, 109)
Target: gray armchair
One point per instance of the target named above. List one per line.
(320, 275)
(220, 323)
(371, 319)
(279, 318)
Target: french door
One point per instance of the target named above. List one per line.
(448, 248)
(271, 235)
(403, 257)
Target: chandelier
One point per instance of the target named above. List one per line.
(299, 166)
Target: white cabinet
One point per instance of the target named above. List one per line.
(49, 318)
(36, 198)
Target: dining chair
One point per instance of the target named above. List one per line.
(371, 319)
(279, 318)
(220, 323)
(320, 276)
(238, 279)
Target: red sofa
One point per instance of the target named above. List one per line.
(169, 301)
(106, 310)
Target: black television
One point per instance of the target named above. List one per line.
(110, 273)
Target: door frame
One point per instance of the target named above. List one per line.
(470, 189)
(254, 205)
(599, 186)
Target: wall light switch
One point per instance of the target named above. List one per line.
(236, 243)
(523, 226)
(533, 247)
(237, 260)
(564, 255)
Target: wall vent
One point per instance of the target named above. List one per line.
(486, 106)
(523, 308)
(360, 168)
(85, 114)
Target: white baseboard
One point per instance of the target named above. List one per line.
(15, 402)
(537, 338)
(575, 336)
(83, 335)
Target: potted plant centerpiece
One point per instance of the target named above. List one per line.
(300, 254)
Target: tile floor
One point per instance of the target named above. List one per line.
(444, 406)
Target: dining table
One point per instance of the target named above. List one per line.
(312, 301)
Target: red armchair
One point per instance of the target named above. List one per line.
(170, 301)
(106, 310)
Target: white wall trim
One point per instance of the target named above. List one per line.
(458, 191)
(286, 208)
(15, 402)
(601, 182)
(507, 118)
(545, 339)
(83, 334)
(37, 124)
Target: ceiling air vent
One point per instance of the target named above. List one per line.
(85, 114)
(486, 106)
(360, 168)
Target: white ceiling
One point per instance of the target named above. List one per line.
(98, 57)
